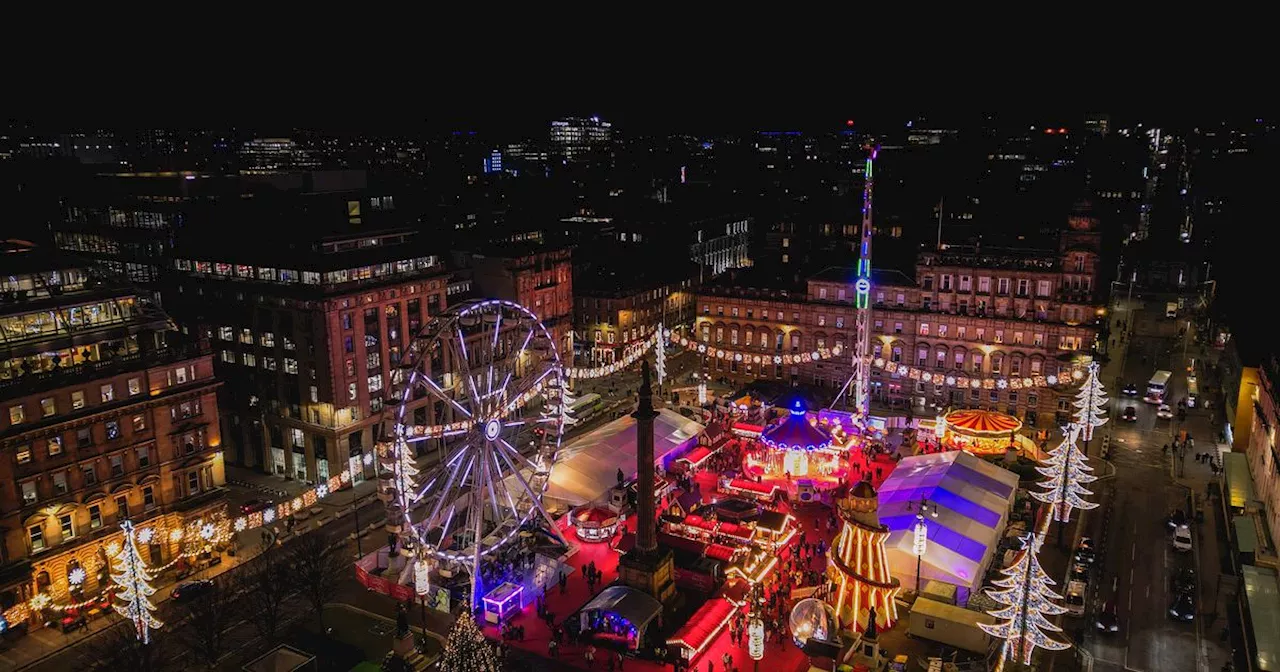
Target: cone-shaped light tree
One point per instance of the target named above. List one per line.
(1067, 470)
(660, 355)
(1090, 404)
(467, 650)
(1026, 597)
(129, 571)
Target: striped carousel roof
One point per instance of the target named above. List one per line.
(983, 422)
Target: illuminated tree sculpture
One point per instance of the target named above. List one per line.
(1067, 469)
(1090, 403)
(130, 572)
(467, 650)
(660, 355)
(1026, 596)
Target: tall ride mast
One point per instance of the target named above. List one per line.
(862, 289)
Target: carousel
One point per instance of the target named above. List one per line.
(796, 454)
(978, 432)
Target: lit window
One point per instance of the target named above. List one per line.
(226, 333)
(139, 423)
(249, 359)
(246, 337)
(16, 415)
(48, 407)
(290, 365)
(37, 537)
(108, 392)
(55, 445)
(95, 516)
(29, 492)
(375, 382)
(24, 454)
(113, 430)
(269, 363)
(315, 394)
(228, 356)
(352, 393)
(77, 400)
(135, 386)
(268, 339)
(180, 375)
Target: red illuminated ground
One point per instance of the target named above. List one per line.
(784, 657)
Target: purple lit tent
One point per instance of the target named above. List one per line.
(973, 499)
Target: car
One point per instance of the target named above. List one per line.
(1085, 552)
(191, 590)
(1108, 620)
(1079, 571)
(1074, 599)
(1164, 412)
(1182, 538)
(1130, 390)
(1183, 607)
(254, 505)
(1176, 519)
(1130, 414)
(1184, 581)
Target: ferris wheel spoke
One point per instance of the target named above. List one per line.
(493, 495)
(444, 492)
(533, 499)
(502, 482)
(523, 460)
(514, 401)
(443, 396)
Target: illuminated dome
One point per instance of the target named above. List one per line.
(795, 432)
(863, 490)
(814, 618)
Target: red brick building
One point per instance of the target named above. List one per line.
(103, 418)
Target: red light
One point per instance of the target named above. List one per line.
(1049, 131)
(848, 122)
(1062, 130)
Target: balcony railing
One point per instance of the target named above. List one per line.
(79, 373)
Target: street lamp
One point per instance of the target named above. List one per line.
(921, 539)
(755, 639)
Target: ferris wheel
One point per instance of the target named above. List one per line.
(493, 371)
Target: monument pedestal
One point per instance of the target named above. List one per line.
(650, 571)
(402, 645)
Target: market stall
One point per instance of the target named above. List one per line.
(977, 431)
(595, 523)
(620, 617)
(701, 629)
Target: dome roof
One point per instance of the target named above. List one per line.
(795, 432)
(863, 490)
(974, 421)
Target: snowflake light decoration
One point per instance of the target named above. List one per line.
(76, 576)
(322, 490)
(241, 524)
(146, 534)
(206, 531)
(269, 516)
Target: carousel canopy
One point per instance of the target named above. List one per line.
(636, 607)
(974, 421)
(795, 432)
(588, 465)
(973, 498)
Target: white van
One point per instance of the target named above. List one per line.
(1182, 538)
(1171, 309)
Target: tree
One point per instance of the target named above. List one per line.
(467, 650)
(264, 582)
(130, 572)
(118, 648)
(318, 570)
(1067, 469)
(209, 615)
(1090, 403)
(1026, 597)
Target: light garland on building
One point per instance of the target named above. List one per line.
(131, 574)
(1067, 469)
(1026, 597)
(630, 355)
(901, 370)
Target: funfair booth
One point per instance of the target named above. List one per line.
(620, 617)
(973, 499)
(978, 432)
(795, 451)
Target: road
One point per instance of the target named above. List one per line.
(1137, 560)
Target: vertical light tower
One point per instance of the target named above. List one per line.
(862, 292)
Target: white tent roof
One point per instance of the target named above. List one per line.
(973, 498)
(588, 465)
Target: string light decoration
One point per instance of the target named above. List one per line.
(859, 567)
(1067, 469)
(467, 650)
(660, 355)
(1090, 403)
(1027, 599)
(399, 461)
(131, 574)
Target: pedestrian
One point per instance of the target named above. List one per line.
(553, 648)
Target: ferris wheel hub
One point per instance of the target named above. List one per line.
(493, 429)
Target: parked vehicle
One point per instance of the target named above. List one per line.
(1108, 620)
(1183, 607)
(1074, 599)
(950, 625)
(1085, 552)
(1176, 519)
(1182, 538)
(191, 590)
(254, 505)
(1130, 414)
(1130, 390)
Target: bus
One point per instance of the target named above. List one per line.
(1157, 387)
(1193, 391)
(586, 406)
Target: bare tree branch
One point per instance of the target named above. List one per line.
(263, 583)
(318, 570)
(207, 617)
